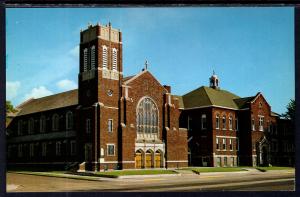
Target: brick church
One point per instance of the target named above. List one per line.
(117, 122)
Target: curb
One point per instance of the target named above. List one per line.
(147, 176)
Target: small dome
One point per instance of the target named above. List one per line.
(214, 81)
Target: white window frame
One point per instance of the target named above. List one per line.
(230, 122)
(110, 125)
(217, 122)
(261, 123)
(69, 124)
(224, 144)
(88, 125)
(236, 124)
(203, 119)
(58, 148)
(253, 124)
(104, 57)
(230, 145)
(93, 59)
(85, 59)
(224, 122)
(217, 144)
(114, 59)
(107, 147)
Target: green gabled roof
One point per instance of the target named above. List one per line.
(206, 96)
(243, 102)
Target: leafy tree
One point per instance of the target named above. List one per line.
(9, 107)
(291, 111)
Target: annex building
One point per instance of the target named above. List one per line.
(123, 122)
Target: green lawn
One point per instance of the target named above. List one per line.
(135, 172)
(263, 169)
(213, 169)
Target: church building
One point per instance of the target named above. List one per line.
(111, 121)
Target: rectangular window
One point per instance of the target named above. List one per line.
(230, 144)
(217, 144)
(232, 161)
(110, 125)
(224, 122)
(88, 125)
(230, 123)
(31, 150)
(224, 144)
(203, 121)
(20, 151)
(253, 124)
(218, 161)
(261, 123)
(225, 161)
(58, 148)
(237, 144)
(110, 149)
(44, 149)
(217, 122)
(237, 124)
(73, 147)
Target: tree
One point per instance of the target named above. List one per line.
(291, 111)
(9, 109)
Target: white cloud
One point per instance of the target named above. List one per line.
(38, 92)
(66, 84)
(75, 52)
(12, 88)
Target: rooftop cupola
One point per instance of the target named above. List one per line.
(214, 81)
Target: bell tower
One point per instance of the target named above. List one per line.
(100, 70)
(214, 81)
(99, 89)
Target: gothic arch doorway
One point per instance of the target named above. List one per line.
(158, 159)
(139, 163)
(149, 159)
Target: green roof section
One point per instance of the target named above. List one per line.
(181, 104)
(243, 102)
(206, 96)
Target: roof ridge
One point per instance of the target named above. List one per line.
(204, 87)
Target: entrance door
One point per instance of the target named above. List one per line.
(138, 160)
(148, 159)
(158, 160)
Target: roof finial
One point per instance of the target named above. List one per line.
(146, 65)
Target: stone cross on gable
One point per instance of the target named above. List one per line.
(146, 65)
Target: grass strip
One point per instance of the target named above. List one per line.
(136, 172)
(214, 169)
(264, 169)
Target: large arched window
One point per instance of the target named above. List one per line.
(69, 120)
(147, 117)
(55, 122)
(85, 59)
(114, 59)
(93, 59)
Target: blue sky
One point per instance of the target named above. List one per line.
(250, 49)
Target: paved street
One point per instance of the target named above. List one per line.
(249, 181)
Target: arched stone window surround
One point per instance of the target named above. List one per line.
(42, 124)
(147, 118)
(55, 122)
(69, 120)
